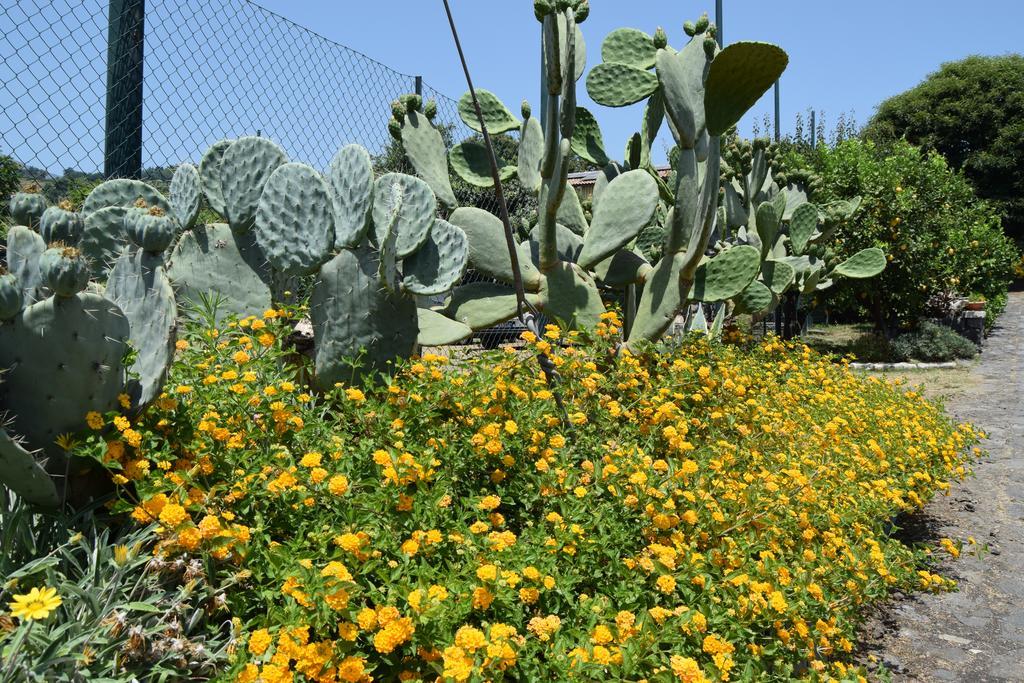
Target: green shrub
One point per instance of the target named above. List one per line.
(872, 348)
(939, 237)
(932, 343)
(707, 510)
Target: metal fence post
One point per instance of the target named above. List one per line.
(814, 130)
(122, 154)
(419, 85)
(778, 129)
(718, 23)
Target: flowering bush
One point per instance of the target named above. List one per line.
(705, 513)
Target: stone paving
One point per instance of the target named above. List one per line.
(977, 633)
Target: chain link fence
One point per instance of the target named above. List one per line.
(91, 89)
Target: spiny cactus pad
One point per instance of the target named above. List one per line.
(60, 225)
(622, 268)
(863, 264)
(725, 275)
(627, 205)
(295, 219)
(425, 148)
(767, 226)
(439, 264)
(151, 232)
(12, 299)
(139, 285)
(660, 301)
(27, 208)
(245, 169)
(570, 212)
(123, 192)
(480, 305)
(681, 76)
(755, 299)
(104, 238)
(210, 175)
(587, 141)
(531, 153)
(629, 46)
(213, 260)
(22, 473)
(567, 243)
(738, 76)
(802, 225)
(63, 359)
(488, 251)
(439, 330)
(352, 315)
(351, 181)
(416, 215)
(185, 192)
(64, 271)
(777, 276)
(470, 160)
(568, 294)
(620, 85)
(24, 247)
(496, 115)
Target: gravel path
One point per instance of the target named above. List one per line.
(977, 633)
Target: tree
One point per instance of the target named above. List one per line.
(971, 112)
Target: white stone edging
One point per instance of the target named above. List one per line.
(887, 367)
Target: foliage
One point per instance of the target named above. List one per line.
(938, 236)
(701, 509)
(9, 181)
(872, 348)
(122, 616)
(971, 112)
(932, 342)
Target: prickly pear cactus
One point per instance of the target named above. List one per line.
(61, 223)
(24, 247)
(63, 270)
(295, 219)
(22, 472)
(185, 195)
(12, 298)
(27, 207)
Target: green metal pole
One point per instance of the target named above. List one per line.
(718, 23)
(122, 153)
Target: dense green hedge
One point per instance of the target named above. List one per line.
(941, 239)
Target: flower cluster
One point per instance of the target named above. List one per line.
(694, 513)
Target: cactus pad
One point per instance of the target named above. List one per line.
(587, 141)
(725, 275)
(20, 472)
(415, 217)
(64, 271)
(63, 359)
(863, 264)
(496, 115)
(531, 153)
(480, 305)
(681, 76)
(629, 46)
(209, 176)
(60, 225)
(103, 238)
(569, 294)
(622, 268)
(777, 276)
(567, 243)
(185, 192)
(661, 300)
(438, 330)
(352, 315)
(425, 148)
(802, 224)
(738, 76)
(124, 193)
(755, 299)
(470, 160)
(570, 212)
(139, 285)
(488, 250)
(439, 264)
(351, 181)
(151, 232)
(213, 260)
(295, 220)
(620, 85)
(767, 226)
(245, 169)
(627, 205)
(27, 208)
(24, 247)
(12, 299)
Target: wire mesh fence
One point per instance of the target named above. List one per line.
(92, 89)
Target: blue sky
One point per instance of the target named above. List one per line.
(226, 68)
(843, 55)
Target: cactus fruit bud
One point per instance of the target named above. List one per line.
(430, 109)
(562, 5)
(542, 8)
(690, 28)
(526, 110)
(710, 45)
(660, 39)
(395, 128)
(398, 110)
(66, 205)
(702, 23)
(64, 270)
(11, 297)
(59, 224)
(152, 230)
(412, 102)
(140, 203)
(713, 31)
(582, 11)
